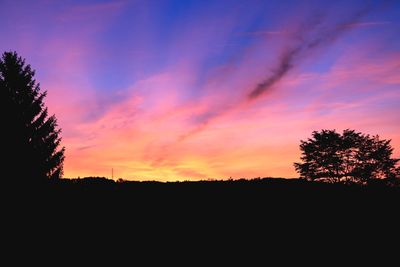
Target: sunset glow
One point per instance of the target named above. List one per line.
(188, 90)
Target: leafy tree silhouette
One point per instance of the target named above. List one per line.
(351, 156)
(29, 137)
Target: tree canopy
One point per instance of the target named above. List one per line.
(350, 156)
(30, 139)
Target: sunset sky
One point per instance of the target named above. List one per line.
(187, 90)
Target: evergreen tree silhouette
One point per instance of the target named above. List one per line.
(29, 137)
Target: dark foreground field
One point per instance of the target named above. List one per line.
(232, 196)
(240, 205)
(201, 217)
(205, 203)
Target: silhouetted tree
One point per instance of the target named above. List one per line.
(29, 137)
(350, 156)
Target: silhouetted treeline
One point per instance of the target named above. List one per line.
(264, 185)
(242, 190)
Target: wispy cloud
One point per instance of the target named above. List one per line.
(90, 11)
(367, 24)
(311, 35)
(264, 33)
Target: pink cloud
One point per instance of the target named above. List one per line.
(160, 132)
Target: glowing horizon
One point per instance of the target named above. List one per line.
(186, 90)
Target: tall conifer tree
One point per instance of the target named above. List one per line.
(30, 139)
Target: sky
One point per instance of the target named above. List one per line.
(186, 90)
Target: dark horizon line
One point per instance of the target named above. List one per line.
(183, 180)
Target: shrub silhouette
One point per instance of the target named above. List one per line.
(348, 157)
(30, 138)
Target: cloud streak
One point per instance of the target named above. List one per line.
(313, 34)
(367, 24)
(305, 40)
